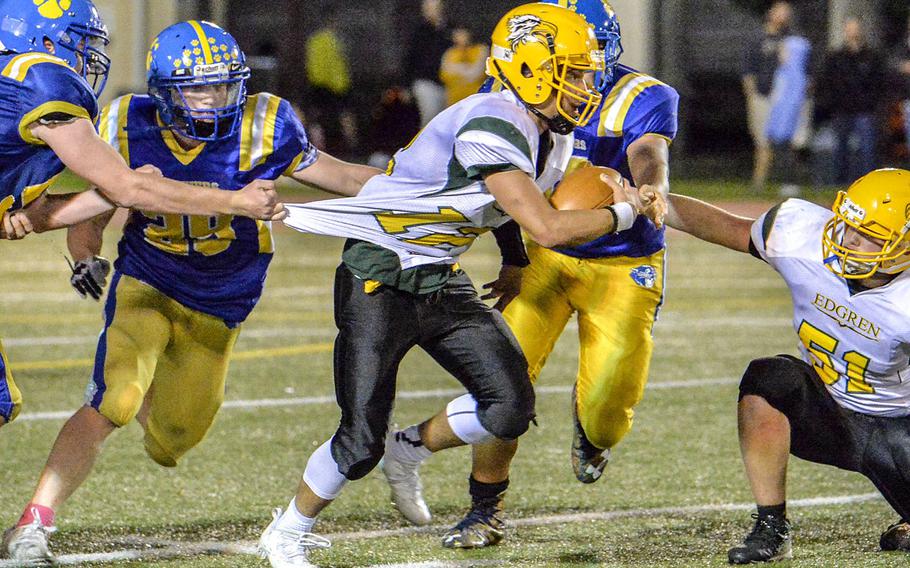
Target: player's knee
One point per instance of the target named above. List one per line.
(607, 428)
(121, 404)
(357, 454)
(158, 453)
(510, 416)
(168, 447)
(771, 378)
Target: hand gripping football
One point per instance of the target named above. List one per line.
(583, 189)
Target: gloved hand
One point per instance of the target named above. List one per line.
(90, 276)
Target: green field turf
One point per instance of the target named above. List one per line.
(673, 495)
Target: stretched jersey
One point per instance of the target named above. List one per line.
(858, 343)
(35, 87)
(636, 105)
(215, 265)
(432, 202)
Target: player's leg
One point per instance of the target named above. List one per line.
(887, 463)
(375, 331)
(188, 387)
(136, 332)
(473, 343)
(10, 397)
(785, 409)
(536, 318)
(617, 301)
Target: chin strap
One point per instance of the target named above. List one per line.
(557, 124)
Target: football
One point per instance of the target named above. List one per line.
(583, 189)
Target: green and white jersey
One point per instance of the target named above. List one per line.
(858, 343)
(432, 202)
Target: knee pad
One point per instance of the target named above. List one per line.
(465, 422)
(120, 404)
(158, 453)
(772, 378)
(167, 447)
(509, 418)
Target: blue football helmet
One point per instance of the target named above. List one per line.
(73, 26)
(198, 61)
(601, 16)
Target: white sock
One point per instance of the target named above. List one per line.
(294, 520)
(407, 446)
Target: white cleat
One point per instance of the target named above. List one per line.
(288, 549)
(28, 544)
(404, 481)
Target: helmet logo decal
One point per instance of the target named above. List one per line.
(52, 9)
(522, 30)
(852, 212)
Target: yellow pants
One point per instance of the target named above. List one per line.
(10, 397)
(153, 345)
(616, 300)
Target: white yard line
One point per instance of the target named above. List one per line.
(404, 395)
(151, 549)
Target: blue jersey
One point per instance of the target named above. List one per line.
(35, 87)
(635, 105)
(215, 265)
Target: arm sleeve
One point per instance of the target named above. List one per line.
(488, 144)
(293, 150)
(511, 245)
(52, 92)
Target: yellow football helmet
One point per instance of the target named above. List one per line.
(534, 47)
(877, 206)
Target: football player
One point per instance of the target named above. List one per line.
(183, 283)
(846, 400)
(52, 65)
(476, 165)
(613, 283)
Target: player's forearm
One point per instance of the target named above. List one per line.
(569, 228)
(85, 239)
(649, 162)
(709, 223)
(50, 212)
(151, 192)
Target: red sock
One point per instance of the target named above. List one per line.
(34, 511)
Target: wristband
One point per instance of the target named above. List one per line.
(624, 214)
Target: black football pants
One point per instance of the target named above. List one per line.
(376, 330)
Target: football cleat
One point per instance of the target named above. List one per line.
(769, 541)
(287, 548)
(588, 461)
(897, 537)
(28, 544)
(482, 526)
(404, 481)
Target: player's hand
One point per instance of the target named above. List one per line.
(15, 225)
(259, 200)
(654, 205)
(624, 193)
(506, 287)
(90, 276)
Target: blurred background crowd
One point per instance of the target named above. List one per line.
(790, 95)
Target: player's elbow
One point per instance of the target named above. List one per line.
(547, 235)
(126, 191)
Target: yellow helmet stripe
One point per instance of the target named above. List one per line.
(206, 50)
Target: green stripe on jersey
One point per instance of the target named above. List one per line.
(499, 127)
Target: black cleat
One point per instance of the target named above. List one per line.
(588, 461)
(482, 526)
(897, 537)
(769, 541)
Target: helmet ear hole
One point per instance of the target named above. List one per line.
(526, 71)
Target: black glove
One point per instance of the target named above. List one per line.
(90, 276)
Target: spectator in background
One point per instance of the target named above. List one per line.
(394, 122)
(428, 43)
(463, 68)
(850, 88)
(762, 60)
(329, 85)
(900, 67)
(787, 109)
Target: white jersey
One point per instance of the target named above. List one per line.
(432, 203)
(859, 344)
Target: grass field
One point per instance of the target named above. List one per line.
(674, 494)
